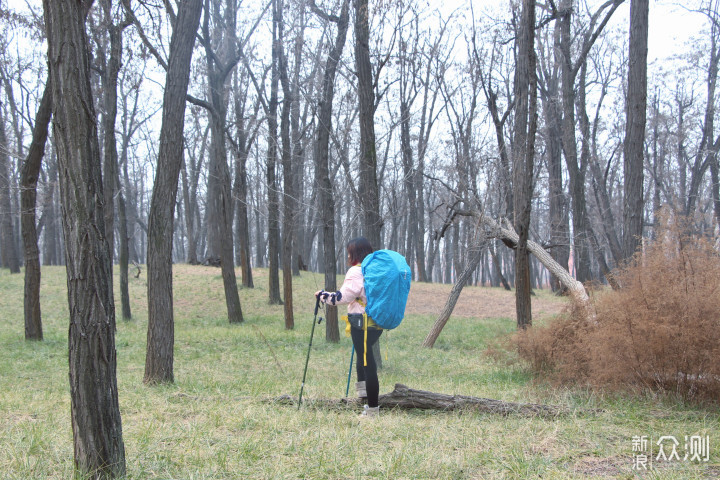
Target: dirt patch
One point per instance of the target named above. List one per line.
(477, 302)
(601, 467)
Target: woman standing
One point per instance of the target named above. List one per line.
(352, 293)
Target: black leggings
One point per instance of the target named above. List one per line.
(368, 373)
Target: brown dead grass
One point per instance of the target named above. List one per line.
(660, 332)
(478, 302)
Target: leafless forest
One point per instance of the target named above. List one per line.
(266, 134)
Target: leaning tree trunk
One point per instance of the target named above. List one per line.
(575, 288)
(28, 195)
(434, 333)
(161, 335)
(95, 413)
(507, 233)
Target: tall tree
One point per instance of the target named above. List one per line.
(161, 335)
(10, 257)
(322, 147)
(577, 170)
(247, 130)
(272, 157)
(28, 194)
(289, 154)
(95, 413)
(109, 63)
(635, 108)
(523, 156)
(558, 208)
(368, 186)
(221, 61)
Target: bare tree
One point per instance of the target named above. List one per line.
(95, 412)
(161, 336)
(288, 157)
(322, 146)
(28, 194)
(272, 155)
(523, 156)
(558, 208)
(247, 126)
(109, 65)
(577, 170)
(220, 61)
(368, 187)
(633, 149)
(10, 257)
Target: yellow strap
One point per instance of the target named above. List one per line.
(347, 325)
(365, 346)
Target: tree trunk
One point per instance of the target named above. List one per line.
(635, 110)
(523, 157)
(576, 172)
(7, 232)
(558, 214)
(368, 185)
(99, 451)
(242, 225)
(409, 398)
(272, 153)
(28, 195)
(322, 175)
(506, 233)
(109, 79)
(575, 288)
(189, 195)
(49, 216)
(161, 336)
(288, 150)
(442, 320)
(498, 268)
(220, 203)
(123, 255)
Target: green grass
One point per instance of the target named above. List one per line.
(217, 421)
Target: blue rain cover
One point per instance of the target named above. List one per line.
(387, 285)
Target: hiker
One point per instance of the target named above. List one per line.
(352, 293)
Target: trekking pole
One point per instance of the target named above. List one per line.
(312, 332)
(352, 354)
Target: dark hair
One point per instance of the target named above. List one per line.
(358, 248)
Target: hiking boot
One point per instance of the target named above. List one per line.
(370, 412)
(360, 388)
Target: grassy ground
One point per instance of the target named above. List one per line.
(217, 422)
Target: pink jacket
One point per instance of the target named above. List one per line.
(351, 290)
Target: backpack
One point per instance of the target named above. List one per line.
(387, 285)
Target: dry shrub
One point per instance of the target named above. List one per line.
(559, 350)
(659, 332)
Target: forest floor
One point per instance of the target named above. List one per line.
(221, 418)
(478, 302)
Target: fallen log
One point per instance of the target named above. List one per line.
(409, 398)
